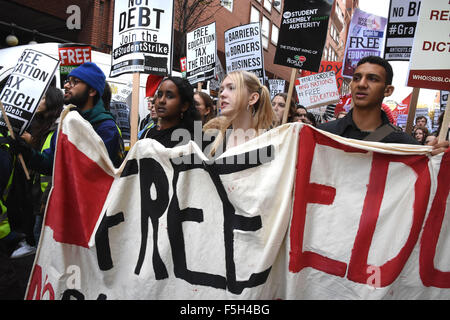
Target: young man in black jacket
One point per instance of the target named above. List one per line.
(371, 83)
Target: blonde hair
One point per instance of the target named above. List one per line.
(264, 117)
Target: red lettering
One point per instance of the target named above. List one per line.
(306, 192)
(434, 14)
(34, 290)
(357, 269)
(428, 273)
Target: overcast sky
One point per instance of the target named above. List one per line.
(381, 8)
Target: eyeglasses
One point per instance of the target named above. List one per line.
(72, 82)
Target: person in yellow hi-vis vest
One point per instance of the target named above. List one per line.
(9, 285)
(41, 131)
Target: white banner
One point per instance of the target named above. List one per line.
(292, 214)
(25, 88)
(317, 89)
(201, 54)
(142, 37)
(243, 49)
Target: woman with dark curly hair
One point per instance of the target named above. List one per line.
(420, 134)
(278, 106)
(175, 107)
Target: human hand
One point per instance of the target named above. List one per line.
(438, 147)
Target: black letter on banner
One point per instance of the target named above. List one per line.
(152, 174)
(102, 240)
(232, 222)
(175, 219)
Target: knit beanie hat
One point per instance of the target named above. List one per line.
(90, 73)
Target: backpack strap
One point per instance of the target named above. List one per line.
(380, 133)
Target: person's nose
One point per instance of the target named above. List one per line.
(362, 83)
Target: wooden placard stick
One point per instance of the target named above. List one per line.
(134, 109)
(289, 96)
(11, 132)
(412, 110)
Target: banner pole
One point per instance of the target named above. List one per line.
(445, 122)
(412, 110)
(289, 96)
(134, 109)
(11, 132)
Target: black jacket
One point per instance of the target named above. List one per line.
(345, 127)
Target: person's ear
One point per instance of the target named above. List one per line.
(388, 90)
(184, 107)
(254, 97)
(92, 92)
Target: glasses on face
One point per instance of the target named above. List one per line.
(72, 82)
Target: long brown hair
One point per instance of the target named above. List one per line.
(263, 116)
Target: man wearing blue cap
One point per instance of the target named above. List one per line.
(83, 88)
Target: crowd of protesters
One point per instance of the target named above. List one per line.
(243, 104)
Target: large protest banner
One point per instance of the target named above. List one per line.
(365, 38)
(142, 37)
(303, 32)
(350, 220)
(201, 54)
(71, 56)
(25, 87)
(243, 49)
(400, 30)
(430, 59)
(327, 66)
(317, 89)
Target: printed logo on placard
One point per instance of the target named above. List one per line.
(297, 61)
(287, 15)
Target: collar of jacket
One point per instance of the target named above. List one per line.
(97, 113)
(347, 121)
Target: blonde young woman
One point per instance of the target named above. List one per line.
(245, 112)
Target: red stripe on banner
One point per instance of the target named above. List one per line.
(430, 275)
(80, 188)
(307, 192)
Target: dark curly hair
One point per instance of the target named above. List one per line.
(186, 92)
(44, 120)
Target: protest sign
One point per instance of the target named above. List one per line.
(123, 92)
(25, 87)
(443, 100)
(142, 37)
(317, 89)
(331, 231)
(303, 32)
(429, 66)
(400, 30)
(326, 66)
(214, 84)
(243, 49)
(365, 38)
(183, 67)
(201, 54)
(71, 56)
(276, 86)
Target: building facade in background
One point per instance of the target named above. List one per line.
(91, 22)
